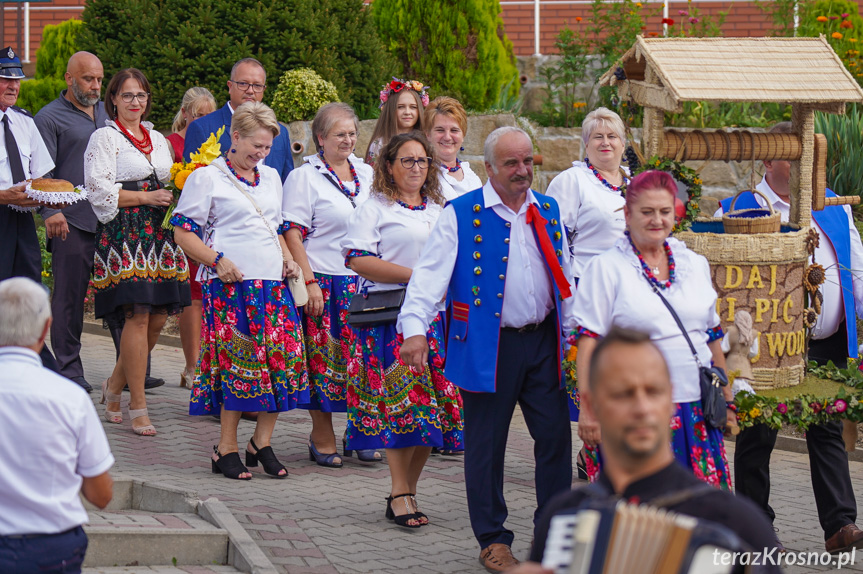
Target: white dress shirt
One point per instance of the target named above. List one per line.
(35, 157)
(832, 310)
(614, 291)
(231, 224)
(111, 158)
(528, 296)
(312, 200)
(453, 188)
(591, 213)
(50, 438)
(394, 233)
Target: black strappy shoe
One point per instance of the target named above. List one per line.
(268, 459)
(403, 519)
(229, 465)
(421, 516)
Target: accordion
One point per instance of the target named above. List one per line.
(625, 538)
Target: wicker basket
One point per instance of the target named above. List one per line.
(753, 220)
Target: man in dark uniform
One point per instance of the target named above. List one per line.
(23, 156)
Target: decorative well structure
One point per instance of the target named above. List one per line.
(761, 273)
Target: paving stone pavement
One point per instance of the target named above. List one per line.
(331, 521)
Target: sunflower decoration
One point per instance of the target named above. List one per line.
(817, 300)
(810, 316)
(813, 277)
(812, 241)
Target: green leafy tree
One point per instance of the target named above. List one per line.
(300, 94)
(58, 44)
(183, 43)
(458, 47)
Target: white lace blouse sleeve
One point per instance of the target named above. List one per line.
(100, 174)
(196, 200)
(298, 196)
(364, 232)
(593, 307)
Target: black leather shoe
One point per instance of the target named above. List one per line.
(82, 382)
(149, 383)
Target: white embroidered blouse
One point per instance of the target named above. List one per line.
(591, 213)
(453, 188)
(311, 200)
(111, 158)
(614, 291)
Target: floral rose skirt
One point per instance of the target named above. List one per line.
(326, 345)
(389, 406)
(252, 356)
(696, 445)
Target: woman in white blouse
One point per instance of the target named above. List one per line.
(618, 288)
(446, 128)
(390, 405)
(251, 341)
(590, 193)
(318, 199)
(139, 274)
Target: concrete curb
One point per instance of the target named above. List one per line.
(243, 553)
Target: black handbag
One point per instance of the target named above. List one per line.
(711, 379)
(375, 307)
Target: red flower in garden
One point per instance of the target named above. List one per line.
(669, 21)
(846, 24)
(653, 34)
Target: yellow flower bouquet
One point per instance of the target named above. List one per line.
(180, 172)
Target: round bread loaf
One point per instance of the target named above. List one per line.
(51, 185)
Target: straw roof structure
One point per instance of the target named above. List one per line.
(664, 72)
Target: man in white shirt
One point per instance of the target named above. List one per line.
(834, 338)
(497, 254)
(52, 445)
(23, 155)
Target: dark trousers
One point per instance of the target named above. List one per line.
(20, 256)
(527, 374)
(50, 554)
(72, 263)
(828, 461)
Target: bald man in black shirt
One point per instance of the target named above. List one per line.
(629, 393)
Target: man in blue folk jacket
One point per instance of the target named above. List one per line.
(497, 253)
(834, 338)
(247, 84)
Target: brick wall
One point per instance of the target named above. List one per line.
(744, 19)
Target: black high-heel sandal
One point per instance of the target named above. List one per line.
(365, 455)
(403, 519)
(421, 516)
(229, 465)
(268, 459)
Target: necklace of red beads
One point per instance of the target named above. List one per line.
(143, 145)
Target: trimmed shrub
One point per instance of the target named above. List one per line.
(36, 94)
(58, 45)
(300, 93)
(183, 43)
(458, 47)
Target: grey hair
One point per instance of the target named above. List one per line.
(491, 143)
(26, 308)
(326, 118)
(602, 117)
(246, 61)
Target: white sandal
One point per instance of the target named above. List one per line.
(113, 417)
(146, 430)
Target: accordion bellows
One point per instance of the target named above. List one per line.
(635, 539)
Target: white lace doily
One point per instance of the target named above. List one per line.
(55, 197)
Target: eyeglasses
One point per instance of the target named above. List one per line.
(128, 97)
(244, 86)
(346, 136)
(409, 162)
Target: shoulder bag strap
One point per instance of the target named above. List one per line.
(255, 205)
(679, 323)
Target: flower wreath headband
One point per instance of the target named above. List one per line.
(398, 85)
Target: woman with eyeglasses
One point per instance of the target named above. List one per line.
(197, 102)
(140, 275)
(389, 404)
(318, 199)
